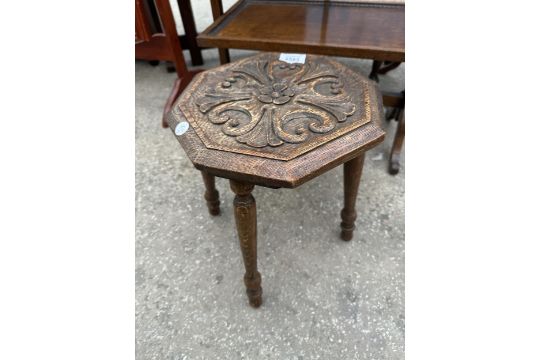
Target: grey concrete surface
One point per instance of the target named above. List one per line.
(322, 298)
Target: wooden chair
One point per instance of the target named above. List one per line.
(366, 30)
(188, 41)
(159, 41)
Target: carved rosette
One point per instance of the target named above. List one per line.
(262, 106)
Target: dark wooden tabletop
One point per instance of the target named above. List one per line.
(338, 28)
(276, 124)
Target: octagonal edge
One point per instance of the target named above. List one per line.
(247, 108)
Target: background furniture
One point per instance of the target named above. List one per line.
(188, 40)
(339, 28)
(262, 121)
(156, 39)
(381, 68)
(396, 101)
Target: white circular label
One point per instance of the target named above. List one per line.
(181, 128)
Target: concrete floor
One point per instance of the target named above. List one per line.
(322, 298)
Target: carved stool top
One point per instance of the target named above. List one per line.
(276, 124)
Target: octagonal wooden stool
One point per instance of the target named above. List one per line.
(262, 121)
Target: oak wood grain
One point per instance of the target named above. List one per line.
(245, 215)
(261, 121)
(211, 195)
(341, 121)
(352, 171)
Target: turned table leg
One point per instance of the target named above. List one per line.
(211, 195)
(352, 171)
(245, 214)
(395, 154)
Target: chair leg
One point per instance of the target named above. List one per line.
(245, 214)
(175, 92)
(179, 86)
(352, 171)
(395, 153)
(186, 13)
(211, 195)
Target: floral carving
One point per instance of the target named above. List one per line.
(269, 103)
(278, 93)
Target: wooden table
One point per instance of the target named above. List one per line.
(365, 30)
(362, 30)
(262, 121)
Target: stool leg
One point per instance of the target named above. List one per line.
(395, 153)
(211, 195)
(245, 214)
(352, 171)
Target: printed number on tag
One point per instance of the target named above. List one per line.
(293, 58)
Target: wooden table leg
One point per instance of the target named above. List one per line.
(393, 113)
(397, 103)
(374, 74)
(245, 214)
(217, 11)
(395, 154)
(352, 171)
(211, 195)
(381, 68)
(388, 66)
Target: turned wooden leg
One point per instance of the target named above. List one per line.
(352, 171)
(211, 195)
(395, 154)
(245, 214)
